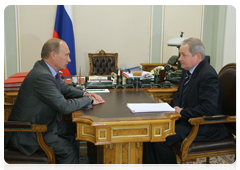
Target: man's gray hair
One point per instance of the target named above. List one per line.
(195, 46)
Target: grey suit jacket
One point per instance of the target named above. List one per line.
(39, 101)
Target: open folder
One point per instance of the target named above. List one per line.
(150, 107)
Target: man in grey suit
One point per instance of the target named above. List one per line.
(41, 99)
(198, 94)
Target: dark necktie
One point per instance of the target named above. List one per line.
(58, 83)
(185, 86)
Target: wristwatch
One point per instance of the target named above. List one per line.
(91, 98)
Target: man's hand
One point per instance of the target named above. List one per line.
(178, 110)
(97, 99)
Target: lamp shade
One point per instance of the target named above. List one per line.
(175, 41)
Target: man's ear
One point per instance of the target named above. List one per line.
(52, 55)
(198, 55)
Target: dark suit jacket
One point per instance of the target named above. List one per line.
(39, 101)
(203, 98)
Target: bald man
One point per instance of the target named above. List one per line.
(40, 100)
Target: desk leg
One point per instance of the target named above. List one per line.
(123, 153)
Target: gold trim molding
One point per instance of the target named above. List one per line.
(86, 134)
(128, 136)
(160, 131)
(102, 138)
(169, 128)
(129, 153)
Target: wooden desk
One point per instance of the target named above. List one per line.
(149, 66)
(9, 99)
(113, 125)
(163, 94)
(158, 94)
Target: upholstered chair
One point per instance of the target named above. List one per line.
(103, 63)
(189, 150)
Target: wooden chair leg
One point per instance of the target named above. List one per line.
(208, 160)
(183, 166)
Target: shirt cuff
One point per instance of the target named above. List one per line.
(84, 93)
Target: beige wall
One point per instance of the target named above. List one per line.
(185, 18)
(111, 28)
(138, 33)
(116, 29)
(36, 23)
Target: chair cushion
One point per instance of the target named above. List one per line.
(207, 146)
(103, 65)
(15, 156)
(17, 125)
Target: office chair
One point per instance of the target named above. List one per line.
(188, 150)
(13, 156)
(103, 63)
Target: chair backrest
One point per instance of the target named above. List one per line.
(227, 77)
(103, 63)
(207, 58)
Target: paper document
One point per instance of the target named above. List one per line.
(98, 91)
(101, 77)
(130, 68)
(144, 74)
(92, 78)
(150, 107)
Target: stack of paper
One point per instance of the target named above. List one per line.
(144, 74)
(98, 91)
(130, 68)
(150, 107)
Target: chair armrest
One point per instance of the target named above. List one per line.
(200, 121)
(215, 118)
(212, 119)
(18, 126)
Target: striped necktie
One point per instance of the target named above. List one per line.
(58, 83)
(185, 86)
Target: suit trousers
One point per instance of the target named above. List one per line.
(66, 149)
(161, 152)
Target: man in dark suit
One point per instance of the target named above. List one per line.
(40, 100)
(198, 94)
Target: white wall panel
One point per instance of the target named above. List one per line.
(116, 29)
(229, 52)
(177, 18)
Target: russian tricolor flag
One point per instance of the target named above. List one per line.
(64, 30)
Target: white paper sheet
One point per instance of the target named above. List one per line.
(150, 107)
(98, 91)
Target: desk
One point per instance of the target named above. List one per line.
(113, 125)
(149, 66)
(9, 99)
(158, 94)
(163, 94)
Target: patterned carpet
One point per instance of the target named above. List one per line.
(216, 163)
(225, 162)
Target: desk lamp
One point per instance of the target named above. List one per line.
(177, 42)
(175, 76)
